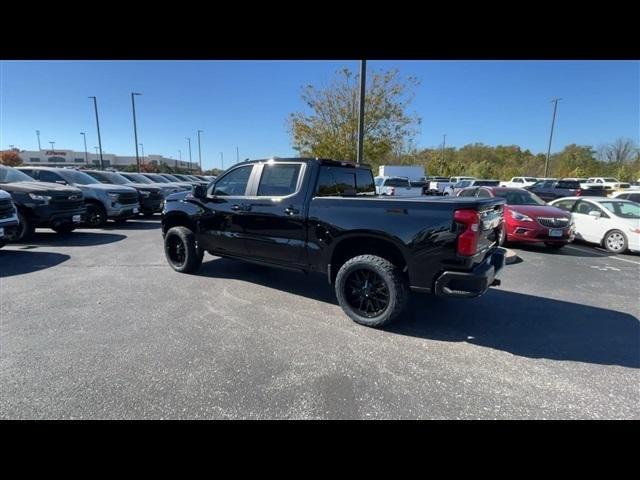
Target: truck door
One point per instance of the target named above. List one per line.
(220, 228)
(274, 219)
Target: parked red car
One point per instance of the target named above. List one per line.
(527, 218)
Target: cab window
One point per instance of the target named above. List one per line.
(279, 180)
(584, 208)
(47, 176)
(482, 193)
(233, 184)
(566, 205)
(468, 192)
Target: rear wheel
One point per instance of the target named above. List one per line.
(371, 290)
(181, 250)
(615, 241)
(96, 215)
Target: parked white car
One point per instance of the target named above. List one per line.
(397, 187)
(440, 187)
(610, 222)
(456, 188)
(519, 182)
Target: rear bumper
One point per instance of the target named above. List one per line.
(474, 283)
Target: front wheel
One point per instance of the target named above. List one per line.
(615, 241)
(96, 215)
(181, 250)
(371, 290)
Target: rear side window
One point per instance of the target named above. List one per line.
(468, 192)
(482, 193)
(566, 205)
(278, 180)
(397, 182)
(335, 181)
(47, 176)
(568, 184)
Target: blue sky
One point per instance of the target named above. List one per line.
(246, 103)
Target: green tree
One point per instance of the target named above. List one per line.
(329, 125)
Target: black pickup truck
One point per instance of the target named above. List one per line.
(317, 215)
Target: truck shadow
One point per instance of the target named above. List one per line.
(15, 262)
(523, 325)
(73, 239)
(133, 225)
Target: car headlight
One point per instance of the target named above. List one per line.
(113, 196)
(520, 217)
(40, 198)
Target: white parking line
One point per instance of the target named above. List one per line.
(602, 255)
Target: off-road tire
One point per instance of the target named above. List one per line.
(181, 250)
(96, 216)
(390, 275)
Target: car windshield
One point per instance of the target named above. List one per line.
(530, 179)
(109, 177)
(136, 177)
(623, 209)
(10, 175)
(520, 198)
(171, 178)
(158, 179)
(75, 177)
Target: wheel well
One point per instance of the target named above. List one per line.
(355, 246)
(609, 231)
(177, 220)
(97, 203)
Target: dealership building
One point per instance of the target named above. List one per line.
(71, 158)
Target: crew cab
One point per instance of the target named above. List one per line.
(41, 204)
(324, 216)
(113, 202)
(396, 186)
(609, 183)
(8, 218)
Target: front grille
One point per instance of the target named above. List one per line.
(153, 194)
(128, 198)
(560, 222)
(6, 208)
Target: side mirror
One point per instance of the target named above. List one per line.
(595, 213)
(200, 191)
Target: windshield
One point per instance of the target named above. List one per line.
(623, 209)
(530, 179)
(520, 198)
(158, 179)
(171, 178)
(136, 177)
(10, 175)
(78, 178)
(108, 177)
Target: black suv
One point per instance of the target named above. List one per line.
(42, 204)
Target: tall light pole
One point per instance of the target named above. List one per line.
(95, 106)
(38, 135)
(189, 140)
(86, 155)
(363, 83)
(97, 152)
(237, 155)
(553, 122)
(444, 140)
(179, 156)
(199, 152)
(135, 128)
(222, 161)
(52, 144)
(142, 149)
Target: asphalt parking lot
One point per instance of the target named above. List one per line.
(96, 325)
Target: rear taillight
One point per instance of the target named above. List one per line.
(468, 239)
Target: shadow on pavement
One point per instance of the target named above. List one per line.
(15, 262)
(133, 225)
(523, 325)
(73, 239)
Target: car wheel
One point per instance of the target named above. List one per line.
(615, 241)
(554, 246)
(96, 215)
(371, 290)
(24, 231)
(64, 229)
(181, 250)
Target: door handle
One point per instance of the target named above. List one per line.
(236, 208)
(291, 210)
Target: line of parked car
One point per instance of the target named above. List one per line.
(64, 199)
